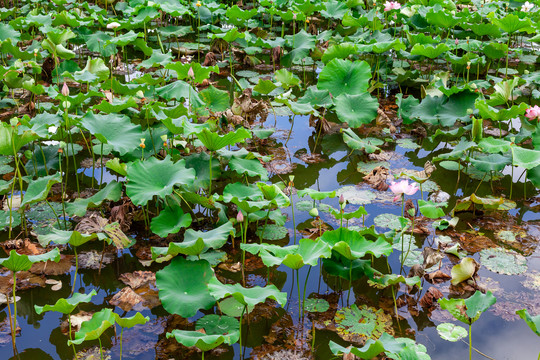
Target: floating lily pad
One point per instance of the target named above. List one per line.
(358, 324)
(354, 195)
(304, 205)
(409, 242)
(232, 307)
(389, 221)
(414, 258)
(367, 167)
(407, 144)
(272, 232)
(503, 261)
(533, 280)
(430, 186)
(246, 73)
(316, 305)
(451, 332)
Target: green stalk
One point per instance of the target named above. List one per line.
(470, 342)
(210, 170)
(62, 188)
(350, 282)
(121, 336)
(71, 338)
(100, 349)
(14, 329)
(298, 288)
(76, 270)
(305, 285)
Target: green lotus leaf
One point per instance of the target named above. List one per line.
(489, 112)
(316, 195)
(364, 322)
(532, 321)
(352, 245)
(112, 192)
(200, 73)
(357, 214)
(445, 110)
(154, 177)
(95, 70)
(456, 307)
(463, 271)
(5, 221)
(196, 242)
(491, 162)
(356, 110)
(114, 129)
(170, 220)
(157, 59)
(451, 332)
(93, 328)
(194, 338)
(316, 305)
(286, 78)
(429, 51)
(272, 232)
(39, 189)
(183, 286)
(273, 193)
(478, 303)
(129, 322)
(66, 306)
(369, 145)
(301, 43)
(246, 296)
(231, 307)
(61, 237)
(213, 141)
(178, 90)
(391, 221)
(345, 77)
(251, 167)
(430, 209)
(339, 51)
(215, 99)
(307, 252)
(381, 281)
(526, 158)
(265, 87)
(10, 138)
(512, 23)
(16, 262)
(220, 325)
(503, 261)
(338, 265)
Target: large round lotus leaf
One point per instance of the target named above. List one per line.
(407, 144)
(451, 332)
(345, 77)
(503, 261)
(361, 323)
(353, 195)
(316, 305)
(356, 110)
(21, 262)
(115, 130)
(155, 177)
(304, 205)
(352, 245)
(272, 232)
(183, 286)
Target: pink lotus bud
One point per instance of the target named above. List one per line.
(341, 199)
(65, 89)
(457, 41)
(191, 73)
(240, 217)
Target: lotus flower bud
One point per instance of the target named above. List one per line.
(142, 143)
(341, 200)
(191, 73)
(113, 25)
(240, 217)
(198, 4)
(65, 89)
(314, 212)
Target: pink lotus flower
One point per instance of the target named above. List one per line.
(65, 89)
(403, 188)
(391, 5)
(533, 113)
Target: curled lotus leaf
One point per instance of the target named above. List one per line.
(503, 261)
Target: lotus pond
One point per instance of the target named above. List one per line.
(279, 179)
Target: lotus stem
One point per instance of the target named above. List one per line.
(395, 302)
(210, 172)
(305, 286)
(240, 330)
(350, 282)
(100, 349)
(76, 270)
(14, 331)
(71, 338)
(298, 288)
(470, 341)
(62, 188)
(293, 220)
(121, 337)
(11, 324)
